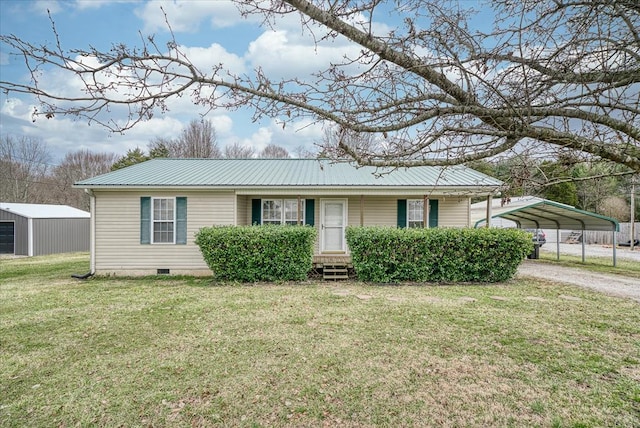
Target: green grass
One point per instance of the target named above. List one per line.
(623, 267)
(187, 352)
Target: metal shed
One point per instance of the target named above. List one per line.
(532, 212)
(37, 229)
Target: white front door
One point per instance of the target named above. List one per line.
(333, 222)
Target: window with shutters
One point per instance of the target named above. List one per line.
(282, 211)
(163, 221)
(271, 211)
(415, 213)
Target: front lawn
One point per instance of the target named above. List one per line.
(186, 352)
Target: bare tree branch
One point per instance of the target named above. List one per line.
(432, 90)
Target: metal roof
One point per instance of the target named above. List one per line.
(529, 212)
(279, 173)
(43, 210)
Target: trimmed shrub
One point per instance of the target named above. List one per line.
(258, 253)
(382, 254)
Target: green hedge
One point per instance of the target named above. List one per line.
(258, 253)
(437, 255)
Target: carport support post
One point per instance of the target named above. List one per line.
(489, 213)
(614, 247)
(633, 212)
(558, 243)
(582, 243)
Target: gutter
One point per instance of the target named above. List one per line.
(314, 190)
(92, 233)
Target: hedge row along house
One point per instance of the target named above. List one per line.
(144, 217)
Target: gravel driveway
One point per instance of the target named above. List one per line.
(614, 285)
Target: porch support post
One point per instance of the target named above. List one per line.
(361, 210)
(299, 210)
(489, 213)
(425, 213)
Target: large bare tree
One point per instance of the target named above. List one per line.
(24, 162)
(238, 151)
(76, 166)
(434, 87)
(197, 140)
(338, 143)
(273, 151)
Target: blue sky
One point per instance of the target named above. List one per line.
(210, 31)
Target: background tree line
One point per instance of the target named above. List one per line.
(28, 173)
(600, 187)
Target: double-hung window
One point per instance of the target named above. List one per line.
(282, 211)
(291, 211)
(411, 213)
(272, 211)
(415, 213)
(163, 221)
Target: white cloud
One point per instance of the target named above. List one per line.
(207, 58)
(95, 4)
(222, 123)
(64, 134)
(278, 54)
(186, 16)
(258, 140)
(302, 133)
(13, 107)
(42, 6)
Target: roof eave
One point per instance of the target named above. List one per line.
(248, 190)
(512, 215)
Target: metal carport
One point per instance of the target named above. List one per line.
(537, 213)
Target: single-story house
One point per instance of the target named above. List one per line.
(39, 229)
(144, 217)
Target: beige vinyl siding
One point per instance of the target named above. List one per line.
(246, 216)
(118, 249)
(243, 207)
(453, 212)
(383, 211)
(378, 211)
